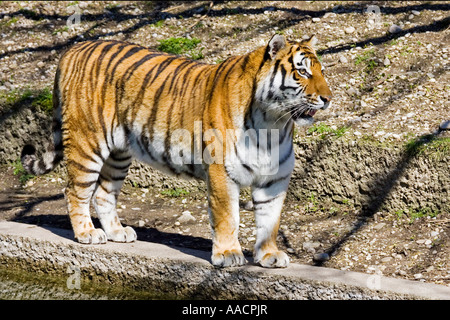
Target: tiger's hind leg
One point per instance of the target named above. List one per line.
(83, 173)
(109, 183)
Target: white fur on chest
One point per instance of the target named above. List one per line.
(261, 152)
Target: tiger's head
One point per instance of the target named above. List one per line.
(291, 82)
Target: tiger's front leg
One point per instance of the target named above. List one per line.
(268, 201)
(223, 197)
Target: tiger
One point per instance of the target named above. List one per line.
(115, 101)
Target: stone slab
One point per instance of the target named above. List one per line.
(187, 273)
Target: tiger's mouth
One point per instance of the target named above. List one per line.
(307, 114)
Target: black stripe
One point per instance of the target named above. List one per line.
(145, 142)
(272, 79)
(244, 63)
(75, 86)
(109, 79)
(99, 62)
(130, 53)
(256, 203)
(272, 182)
(175, 73)
(119, 167)
(86, 184)
(162, 67)
(85, 155)
(104, 200)
(110, 178)
(147, 82)
(250, 170)
(76, 62)
(81, 167)
(114, 156)
(97, 151)
(166, 154)
(120, 85)
(283, 77)
(183, 90)
(105, 188)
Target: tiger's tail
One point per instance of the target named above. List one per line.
(54, 154)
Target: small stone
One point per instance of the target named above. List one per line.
(386, 62)
(418, 276)
(379, 225)
(395, 29)
(186, 217)
(321, 257)
(415, 12)
(349, 29)
(316, 19)
(290, 250)
(248, 205)
(445, 125)
(343, 59)
(386, 259)
(351, 91)
(141, 223)
(311, 246)
(329, 14)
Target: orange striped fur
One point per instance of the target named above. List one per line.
(115, 101)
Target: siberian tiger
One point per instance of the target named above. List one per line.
(115, 101)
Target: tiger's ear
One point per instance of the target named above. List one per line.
(277, 43)
(311, 42)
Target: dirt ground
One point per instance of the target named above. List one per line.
(389, 74)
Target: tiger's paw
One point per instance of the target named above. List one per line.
(126, 234)
(277, 259)
(92, 236)
(228, 258)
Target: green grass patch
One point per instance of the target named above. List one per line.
(39, 99)
(367, 59)
(177, 192)
(181, 46)
(7, 23)
(19, 171)
(44, 101)
(429, 145)
(324, 131)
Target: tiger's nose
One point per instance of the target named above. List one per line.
(325, 99)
